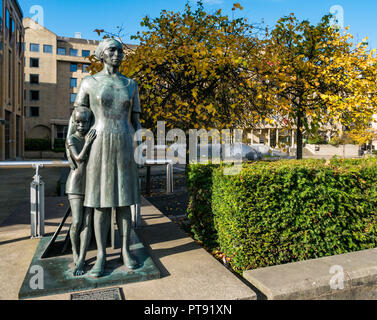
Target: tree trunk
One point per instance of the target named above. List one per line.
(299, 135)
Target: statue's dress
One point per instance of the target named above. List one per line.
(112, 176)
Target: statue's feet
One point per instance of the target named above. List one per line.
(79, 269)
(98, 269)
(130, 261)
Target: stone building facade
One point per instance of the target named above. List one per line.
(11, 80)
(54, 67)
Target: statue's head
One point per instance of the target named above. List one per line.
(110, 51)
(82, 118)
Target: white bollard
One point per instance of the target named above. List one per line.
(37, 205)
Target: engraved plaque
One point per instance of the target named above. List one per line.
(105, 294)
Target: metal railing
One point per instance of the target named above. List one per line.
(37, 194)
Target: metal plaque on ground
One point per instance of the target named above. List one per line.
(106, 294)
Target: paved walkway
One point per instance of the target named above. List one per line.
(188, 271)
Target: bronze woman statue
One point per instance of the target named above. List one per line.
(112, 173)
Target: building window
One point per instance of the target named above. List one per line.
(34, 95)
(47, 48)
(73, 52)
(34, 111)
(12, 26)
(11, 29)
(73, 82)
(73, 67)
(85, 53)
(34, 78)
(73, 97)
(7, 18)
(1, 15)
(34, 47)
(62, 51)
(85, 68)
(61, 132)
(34, 63)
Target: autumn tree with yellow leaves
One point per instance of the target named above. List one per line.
(312, 75)
(204, 70)
(190, 68)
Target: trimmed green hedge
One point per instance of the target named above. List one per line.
(59, 144)
(285, 211)
(37, 144)
(199, 210)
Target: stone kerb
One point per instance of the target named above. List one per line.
(351, 276)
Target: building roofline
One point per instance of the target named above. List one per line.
(78, 40)
(43, 27)
(88, 41)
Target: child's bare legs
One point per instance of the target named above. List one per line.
(77, 215)
(85, 237)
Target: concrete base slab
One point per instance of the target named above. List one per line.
(56, 272)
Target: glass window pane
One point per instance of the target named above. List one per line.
(7, 17)
(11, 29)
(86, 53)
(73, 67)
(62, 51)
(34, 78)
(1, 15)
(85, 68)
(73, 52)
(73, 97)
(61, 132)
(34, 47)
(47, 48)
(34, 111)
(34, 94)
(34, 63)
(73, 82)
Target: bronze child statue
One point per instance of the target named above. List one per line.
(78, 146)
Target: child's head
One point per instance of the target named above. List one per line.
(82, 119)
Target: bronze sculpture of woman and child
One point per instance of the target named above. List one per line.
(101, 146)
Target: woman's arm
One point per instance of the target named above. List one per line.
(81, 157)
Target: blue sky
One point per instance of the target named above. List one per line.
(65, 17)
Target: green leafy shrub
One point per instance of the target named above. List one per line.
(59, 144)
(285, 211)
(345, 139)
(317, 139)
(199, 211)
(37, 144)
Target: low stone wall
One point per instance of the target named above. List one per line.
(43, 155)
(348, 150)
(351, 276)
